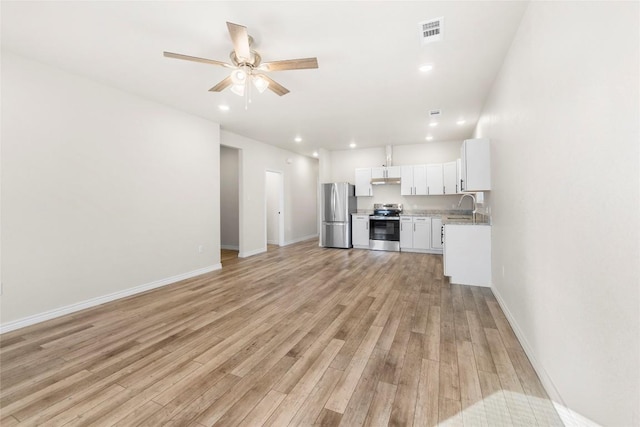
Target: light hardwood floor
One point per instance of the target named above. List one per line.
(298, 336)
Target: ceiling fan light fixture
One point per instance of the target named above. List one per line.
(238, 89)
(238, 77)
(260, 83)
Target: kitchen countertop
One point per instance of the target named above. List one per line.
(449, 216)
(458, 219)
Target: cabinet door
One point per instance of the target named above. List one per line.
(363, 182)
(378, 172)
(450, 172)
(406, 232)
(436, 233)
(421, 232)
(467, 254)
(394, 172)
(406, 181)
(435, 185)
(476, 165)
(360, 230)
(420, 180)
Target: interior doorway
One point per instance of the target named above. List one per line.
(229, 203)
(274, 207)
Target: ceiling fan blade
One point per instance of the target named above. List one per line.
(240, 40)
(196, 59)
(225, 83)
(274, 86)
(290, 64)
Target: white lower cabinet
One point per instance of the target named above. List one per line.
(436, 233)
(406, 232)
(422, 233)
(467, 254)
(360, 231)
(416, 234)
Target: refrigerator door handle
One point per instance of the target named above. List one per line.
(333, 202)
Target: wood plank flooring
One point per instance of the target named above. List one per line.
(300, 335)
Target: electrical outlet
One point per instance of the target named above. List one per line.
(200, 249)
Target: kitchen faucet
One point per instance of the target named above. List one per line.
(475, 206)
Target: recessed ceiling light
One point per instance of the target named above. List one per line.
(352, 145)
(461, 122)
(426, 67)
(315, 154)
(433, 124)
(298, 139)
(429, 138)
(223, 107)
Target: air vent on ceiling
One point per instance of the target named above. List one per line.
(435, 113)
(431, 30)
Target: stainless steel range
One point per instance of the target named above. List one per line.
(384, 227)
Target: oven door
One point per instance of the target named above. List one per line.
(384, 229)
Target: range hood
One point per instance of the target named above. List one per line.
(388, 162)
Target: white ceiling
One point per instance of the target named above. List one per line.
(367, 90)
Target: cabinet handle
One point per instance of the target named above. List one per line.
(444, 191)
(367, 224)
(456, 187)
(442, 235)
(414, 227)
(462, 185)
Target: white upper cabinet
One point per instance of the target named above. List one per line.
(475, 165)
(413, 181)
(386, 172)
(450, 173)
(378, 172)
(406, 181)
(394, 171)
(435, 184)
(363, 182)
(420, 180)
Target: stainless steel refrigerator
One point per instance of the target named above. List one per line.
(338, 203)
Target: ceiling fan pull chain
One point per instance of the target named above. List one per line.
(247, 92)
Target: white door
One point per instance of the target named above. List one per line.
(273, 208)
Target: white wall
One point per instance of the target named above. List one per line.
(102, 191)
(563, 120)
(343, 164)
(300, 192)
(229, 198)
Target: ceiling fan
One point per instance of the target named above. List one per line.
(247, 65)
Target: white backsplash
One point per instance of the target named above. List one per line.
(391, 194)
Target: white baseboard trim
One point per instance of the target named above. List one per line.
(272, 242)
(568, 417)
(301, 239)
(52, 314)
(247, 254)
(230, 247)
